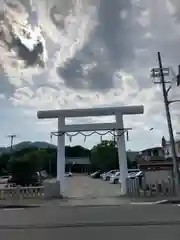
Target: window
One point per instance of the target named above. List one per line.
(155, 153)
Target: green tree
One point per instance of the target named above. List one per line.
(24, 170)
(4, 158)
(104, 156)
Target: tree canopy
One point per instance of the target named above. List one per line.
(104, 156)
(23, 164)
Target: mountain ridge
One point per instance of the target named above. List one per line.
(27, 144)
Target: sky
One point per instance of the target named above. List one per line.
(86, 53)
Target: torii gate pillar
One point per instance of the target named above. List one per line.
(61, 154)
(122, 155)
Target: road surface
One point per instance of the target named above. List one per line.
(128, 222)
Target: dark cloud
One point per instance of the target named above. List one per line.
(115, 32)
(116, 36)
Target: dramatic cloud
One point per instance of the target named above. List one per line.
(109, 48)
(21, 42)
(86, 53)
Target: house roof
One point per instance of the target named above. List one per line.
(78, 160)
(151, 149)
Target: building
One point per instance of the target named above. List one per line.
(156, 171)
(78, 164)
(168, 151)
(154, 165)
(152, 154)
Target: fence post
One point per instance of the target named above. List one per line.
(138, 187)
(18, 192)
(2, 194)
(157, 188)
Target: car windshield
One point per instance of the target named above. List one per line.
(117, 174)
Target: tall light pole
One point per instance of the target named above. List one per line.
(161, 73)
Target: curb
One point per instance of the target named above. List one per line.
(152, 203)
(92, 224)
(170, 202)
(69, 205)
(14, 206)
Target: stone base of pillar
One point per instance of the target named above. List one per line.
(52, 190)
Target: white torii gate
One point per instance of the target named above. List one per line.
(104, 111)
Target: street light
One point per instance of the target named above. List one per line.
(161, 73)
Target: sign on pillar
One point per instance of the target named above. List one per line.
(122, 156)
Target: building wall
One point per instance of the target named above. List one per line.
(157, 176)
(168, 152)
(153, 154)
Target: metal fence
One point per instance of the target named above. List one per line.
(20, 193)
(135, 188)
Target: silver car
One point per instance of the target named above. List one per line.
(107, 176)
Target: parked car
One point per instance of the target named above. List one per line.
(4, 179)
(134, 175)
(139, 174)
(107, 176)
(115, 178)
(96, 174)
(68, 174)
(102, 175)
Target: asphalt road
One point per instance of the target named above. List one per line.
(125, 221)
(130, 221)
(105, 233)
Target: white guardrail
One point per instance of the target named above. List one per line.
(20, 193)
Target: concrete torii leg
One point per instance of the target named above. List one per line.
(122, 156)
(61, 155)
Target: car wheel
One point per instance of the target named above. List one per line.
(116, 181)
(107, 178)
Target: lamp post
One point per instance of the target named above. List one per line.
(161, 72)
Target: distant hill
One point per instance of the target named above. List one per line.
(27, 144)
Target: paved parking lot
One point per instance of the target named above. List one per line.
(81, 186)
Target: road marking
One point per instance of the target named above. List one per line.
(161, 201)
(11, 209)
(148, 203)
(143, 203)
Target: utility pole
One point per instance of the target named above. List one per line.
(160, 72)
(12, 137)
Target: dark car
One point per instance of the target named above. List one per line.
(96, 174)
